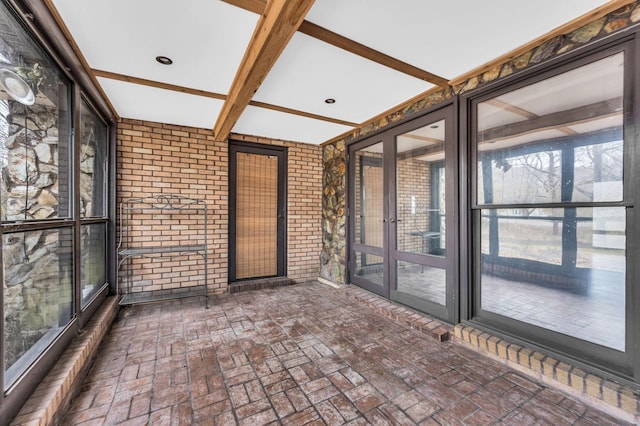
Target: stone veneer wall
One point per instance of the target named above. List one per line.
(333, 255)
(155, 158)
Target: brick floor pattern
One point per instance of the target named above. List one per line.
(301, 355)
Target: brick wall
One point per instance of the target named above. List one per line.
(304, 206)
(156, 158)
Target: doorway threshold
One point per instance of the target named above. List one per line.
(259, 284)
(400, 313)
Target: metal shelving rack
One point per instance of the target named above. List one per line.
(164, 206)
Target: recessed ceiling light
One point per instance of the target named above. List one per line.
(164, 60)
(329, 101)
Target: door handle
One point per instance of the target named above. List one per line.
(384, 220)
(392, 220)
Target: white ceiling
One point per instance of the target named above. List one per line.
(206, 39)
(361, 88)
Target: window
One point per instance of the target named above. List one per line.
(550, 209)
(93, 202)
(37, 261)
(35, 121)
(38, 300)
(93, 164)
(53, 210)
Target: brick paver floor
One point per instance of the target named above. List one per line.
(303, 354)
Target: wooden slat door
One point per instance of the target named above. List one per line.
(257, 212)
(256, 215)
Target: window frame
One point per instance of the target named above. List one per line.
(42, 31)
(609, 362)
(90, 220)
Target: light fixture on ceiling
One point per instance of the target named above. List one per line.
(434, 126)
(329, 101)
(16, 87)
(164, 60)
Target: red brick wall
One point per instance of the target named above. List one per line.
(155, 158)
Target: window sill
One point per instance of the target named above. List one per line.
(55, 391)
(618, 400)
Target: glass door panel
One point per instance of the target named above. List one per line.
(369, 187)
(369, 219)
(402, 191)
(422, 190)
(423, 282)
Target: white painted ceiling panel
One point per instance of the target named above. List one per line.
(206, 39)
(279, 125)
(164, 106)
(310, 71)
(447, 38)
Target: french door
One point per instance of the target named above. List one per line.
(402, 214)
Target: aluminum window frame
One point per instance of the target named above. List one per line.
(608, 362)
(41, 32)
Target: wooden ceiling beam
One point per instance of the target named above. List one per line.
(420, 152)
(421, 138)
(524, 113)
(578, 115)
(280, 20)
(255, 6)
(366, 52)
(214, 95)
(334, 39)
(156, 84)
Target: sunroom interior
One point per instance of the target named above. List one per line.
(473, 162)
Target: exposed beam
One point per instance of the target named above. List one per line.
(302, 113)
(213, 95)
(422, 151)
(255, 6)
(581, 114)
(505, 106)
(334, 39)
(422, 138)
(567, 28)
(356, 48)
(157, 84)
(281, 19)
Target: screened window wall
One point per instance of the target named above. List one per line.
(550, 209)
(53, 198)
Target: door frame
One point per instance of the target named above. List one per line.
(449, 262)
(351, 211)
(387, 137)
(281, 153)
